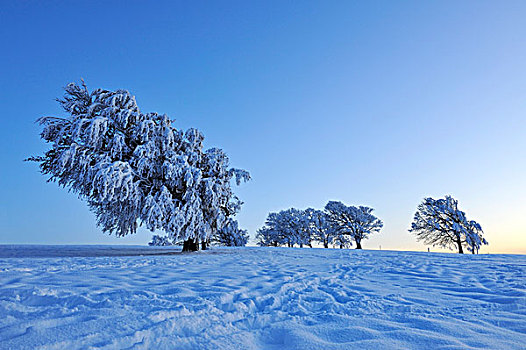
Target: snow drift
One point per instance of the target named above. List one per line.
(260, 298)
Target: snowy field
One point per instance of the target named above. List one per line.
(258, 298)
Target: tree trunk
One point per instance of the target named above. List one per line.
(203, 245)
(326, 244)
(190, 245)
(358, 245)
(341, 246)
(460, 250)
(301, 245)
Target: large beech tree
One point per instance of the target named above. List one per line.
(136, 168)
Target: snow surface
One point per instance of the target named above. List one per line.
(259, 298)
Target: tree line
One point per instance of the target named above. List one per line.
(436, 222)
(337, 225)
(135, 168)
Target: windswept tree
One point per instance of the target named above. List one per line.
(135, 168)
(355, 222)
(439, 222)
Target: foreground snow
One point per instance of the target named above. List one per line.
(260, 298)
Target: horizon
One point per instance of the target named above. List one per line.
(378, 104)
(178, 246)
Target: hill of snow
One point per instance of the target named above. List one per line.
(258, 298)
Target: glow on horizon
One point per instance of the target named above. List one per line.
(380, 104)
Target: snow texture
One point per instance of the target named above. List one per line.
(259, 298)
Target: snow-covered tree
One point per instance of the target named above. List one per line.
(342, 240)
(269, 234)
(231, 235)
(439, 222)
(276, 231)
(300, 226)
(320, 227)
(160, 241)
(135, 168)
(474, 237)
(267, 237)
(287, 227)
(356, 222)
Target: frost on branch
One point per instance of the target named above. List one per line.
(135, 168)
(439, 222)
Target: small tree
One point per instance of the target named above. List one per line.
(135, 168)
(231, 235)
(356, 222)
(439, 222)
(161, 241)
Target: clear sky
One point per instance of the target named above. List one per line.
(376, 103)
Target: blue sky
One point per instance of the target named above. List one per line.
(372, 103)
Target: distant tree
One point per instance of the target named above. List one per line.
(135, 168)
(269, 234)
(439, 222)
(267, 237)
(355, 222)
(231, 235)
(320, 228)
(287, 227)
(160, 241)
(300, 227)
